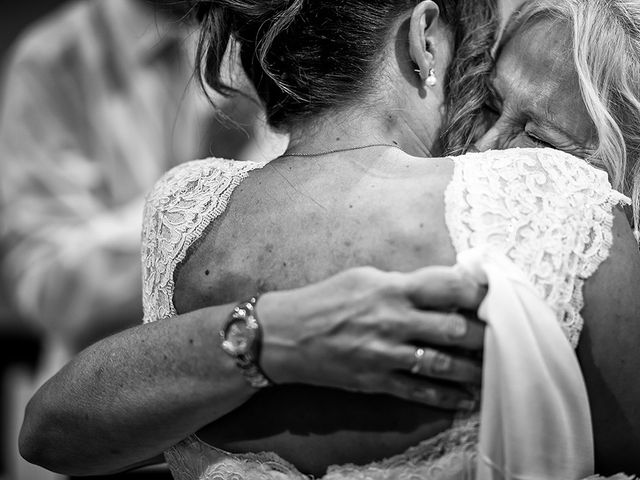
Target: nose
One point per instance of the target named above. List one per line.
(490, 140)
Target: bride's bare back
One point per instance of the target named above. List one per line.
(297, 222)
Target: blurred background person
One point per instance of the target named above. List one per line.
(97, 102)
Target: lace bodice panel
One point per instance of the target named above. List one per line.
(177, 211)
(547, 211)
(550, 213)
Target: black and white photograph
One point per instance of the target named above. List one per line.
(320, 240)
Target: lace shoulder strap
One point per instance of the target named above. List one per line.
(548, 211)
(178, 210)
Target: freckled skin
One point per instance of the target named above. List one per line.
(304, 229)
(538, 98)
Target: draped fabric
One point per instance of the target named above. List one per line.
(535, 421)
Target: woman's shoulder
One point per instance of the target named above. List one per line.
(196, 175)
(540, 187)
(191, 195)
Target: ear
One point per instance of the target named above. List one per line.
(424, 21)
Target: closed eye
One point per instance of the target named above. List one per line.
(558, 142)
(540, 142)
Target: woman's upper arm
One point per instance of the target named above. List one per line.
(609, 353)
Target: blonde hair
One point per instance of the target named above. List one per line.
(606, 53)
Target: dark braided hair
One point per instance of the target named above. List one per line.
(305, 57)
(467, 88)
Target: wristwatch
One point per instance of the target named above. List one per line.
(241, 339)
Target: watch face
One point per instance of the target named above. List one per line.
(238, 337)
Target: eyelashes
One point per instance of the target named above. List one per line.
(539, 142)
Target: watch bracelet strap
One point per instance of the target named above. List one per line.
(252, 372)
(248, 363)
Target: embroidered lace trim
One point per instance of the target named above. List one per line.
(451, 454)
(178, 210)
(550, 213)
(547, 211)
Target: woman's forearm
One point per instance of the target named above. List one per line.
(132, 395)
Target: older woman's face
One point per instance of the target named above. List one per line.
(537, 100)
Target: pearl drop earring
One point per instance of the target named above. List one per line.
(431, 79)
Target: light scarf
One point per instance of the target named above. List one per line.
(535, 421)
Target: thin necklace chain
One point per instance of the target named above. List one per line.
(339, 150)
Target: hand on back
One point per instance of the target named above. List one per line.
(366, 330)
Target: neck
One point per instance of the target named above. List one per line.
(356, 129)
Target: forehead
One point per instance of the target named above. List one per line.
(542, 48)
(535, 74)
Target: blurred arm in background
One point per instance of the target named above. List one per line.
(98, 103)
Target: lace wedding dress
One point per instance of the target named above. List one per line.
(548, 212)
